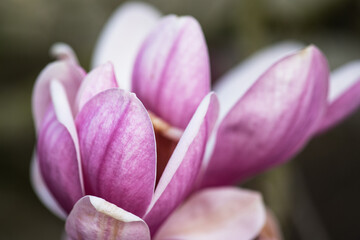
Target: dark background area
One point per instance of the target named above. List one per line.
(315, 196)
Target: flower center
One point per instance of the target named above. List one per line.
(166, 137)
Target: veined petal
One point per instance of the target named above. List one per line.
(171, 74)
(118, 150)
(42, 190)
(58, 150)
(98, 80)
(344, 94)
(232, 86)
(122, 37)
(69, 74)
(62, 51)
(94, 218)
(58, 162)
(273, 120)
(219, 213)
(183, 167)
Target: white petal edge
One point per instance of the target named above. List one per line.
(42, 191)
(95, 218)
(181, 149)
(342, 79)
(122, 37)
(65, 117)
(234, 84)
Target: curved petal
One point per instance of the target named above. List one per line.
(171, 74)
(58, 162)
(273, 120)
(64, 116)
(62, 51)
(118, 150)
(344, 94)
(42, 190)
(219, 213)
(94, 218)
(122, 37)
(58, 150)
(69, 74)
(183, 167)
(98, 80)
(232, 86)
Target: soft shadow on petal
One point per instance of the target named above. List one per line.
(118, 150)
(218, 213)
(98, 80)
(122, 37)
(171, 74)
(58, 162)
(42, 190)
(234, 84)
(69, 74)
(273, 120)
(94, 218)
(344, 94)
(183, 167)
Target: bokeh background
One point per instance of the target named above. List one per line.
(315, 196)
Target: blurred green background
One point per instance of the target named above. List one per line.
(315, 196)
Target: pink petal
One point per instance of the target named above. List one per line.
(58, 150)
(171, 74)
(183, 167)
(98, 80)
(94, 218)
(58, 162)
(232, 86)
(122, 37)
(118, 150)
(273, 120)
(213, 214)
(344, 95)
(69, 74)
(42, 191)
(62, 51)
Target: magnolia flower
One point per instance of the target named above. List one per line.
(96, 164)
(104, 163)
(110, 160)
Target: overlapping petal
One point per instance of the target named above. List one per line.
(68, 73)
(183, 167)
(273, 119)
(42, 191)
(219, 213)
(344, 94)
(94, 218)
(234, 84)
(171, 73)
(122, 37)
(118, 150)
(98, 80)
(58, 151)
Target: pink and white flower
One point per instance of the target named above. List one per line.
(117, 164)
